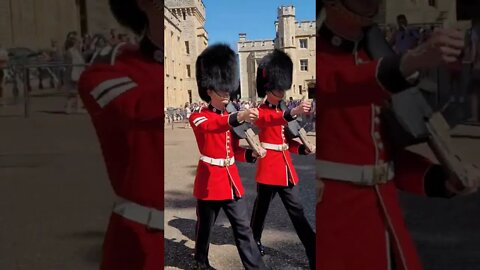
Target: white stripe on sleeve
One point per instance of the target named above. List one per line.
(199, 119)
(114, 93)
(108, 84)
(199, 122)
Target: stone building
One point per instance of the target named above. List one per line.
(174, 58)
(185, 39)
(297, 39)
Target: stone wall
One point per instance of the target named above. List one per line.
(33, 23)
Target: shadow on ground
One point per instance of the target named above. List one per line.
(446, 231)
(178, 254)
(277, 257)
(179, 200)
(221, 235)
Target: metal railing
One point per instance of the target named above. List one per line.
(22, 71)
(452, 90)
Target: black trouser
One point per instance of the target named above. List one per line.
(289, 196)
(236, 211)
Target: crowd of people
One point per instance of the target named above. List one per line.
(72, 56)
(182, 114)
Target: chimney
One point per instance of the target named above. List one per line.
(243, 37)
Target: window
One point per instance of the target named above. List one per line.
(300, 90)
(190, 96)
(187, 47)
(189, 72)
(432, 3)
(304, 65)
(282, 42)
(304, 43)
(184, 15)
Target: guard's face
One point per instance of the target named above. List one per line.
(219, 96)
(276, 94)
(356, 13)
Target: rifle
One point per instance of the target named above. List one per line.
(246, 131)
(294, 130)
(411, 120)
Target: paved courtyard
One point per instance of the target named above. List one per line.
(284, 249)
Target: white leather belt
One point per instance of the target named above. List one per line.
(275, 147)
(222, 162)
(368, 175)
(150, 217)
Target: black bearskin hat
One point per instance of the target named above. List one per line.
(274, 72)
(128, 14)
(217, 69)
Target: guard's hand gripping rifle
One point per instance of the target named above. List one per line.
(411, 120)
(245, 131)
(294, 130)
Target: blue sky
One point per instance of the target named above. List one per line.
(227, 18)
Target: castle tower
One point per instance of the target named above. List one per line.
(250, 52)
(193, 40)
(295, 38)
(286, 28)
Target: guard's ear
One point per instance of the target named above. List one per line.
(209, 92)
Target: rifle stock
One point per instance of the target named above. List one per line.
(296, 131)
(253, 141)
(442, 147)
(302, 134)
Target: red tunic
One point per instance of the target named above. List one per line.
(359, 226)
(215, 140)
(125, 102)
(276, 168)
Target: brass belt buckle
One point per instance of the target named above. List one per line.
(226, 162)
(380, 175)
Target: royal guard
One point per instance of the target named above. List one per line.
(124, 98)
(360, 224)
(275, 172)
(217, 183)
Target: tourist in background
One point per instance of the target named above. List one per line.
(75, 60)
